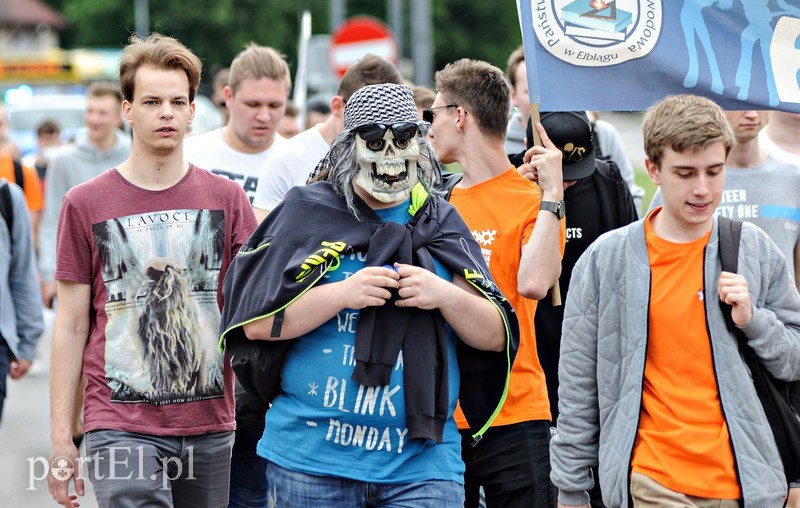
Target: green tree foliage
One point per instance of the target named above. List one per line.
(218, 29)
(478, 29)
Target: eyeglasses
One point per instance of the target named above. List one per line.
(403, 132)
(428, 115)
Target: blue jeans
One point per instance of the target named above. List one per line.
(131, 470)
(248, 470)
(5, 365)
(298, 490)
(512, 464)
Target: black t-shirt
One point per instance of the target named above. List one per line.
(583, 227)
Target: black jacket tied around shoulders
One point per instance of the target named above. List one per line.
(303, 238)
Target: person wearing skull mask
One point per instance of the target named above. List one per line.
(378, 313)
(291, 163)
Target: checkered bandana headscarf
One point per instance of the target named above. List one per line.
(386, 103)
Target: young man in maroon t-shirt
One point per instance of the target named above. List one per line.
(142, 250)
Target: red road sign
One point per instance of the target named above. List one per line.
(355, 38)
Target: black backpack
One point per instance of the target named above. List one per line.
(6, 208)
(775, 396)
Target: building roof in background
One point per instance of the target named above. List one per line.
(29, 12)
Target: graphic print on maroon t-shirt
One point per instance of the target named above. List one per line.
(161, 272)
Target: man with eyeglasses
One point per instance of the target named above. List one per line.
(519, 226)
(374, 304)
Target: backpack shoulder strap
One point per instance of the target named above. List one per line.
(5, 204)
(19, 175)
(730, 231)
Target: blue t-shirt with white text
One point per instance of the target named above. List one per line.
(324, 423)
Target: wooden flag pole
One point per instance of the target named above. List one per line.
(555, 291)
(537, 140)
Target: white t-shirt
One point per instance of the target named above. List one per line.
(210, 151)
(766, 143)
(289, 166)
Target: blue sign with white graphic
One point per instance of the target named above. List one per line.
(629, 54)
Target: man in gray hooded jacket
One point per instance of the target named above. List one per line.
(652, 385)
(101, 146)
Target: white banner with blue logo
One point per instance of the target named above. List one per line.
(628, 54)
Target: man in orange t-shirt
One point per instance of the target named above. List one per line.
(30, 185)
(653, 390)
(523, 249)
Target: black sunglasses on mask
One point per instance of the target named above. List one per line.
(402, 131)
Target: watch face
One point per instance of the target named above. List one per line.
(559, 208)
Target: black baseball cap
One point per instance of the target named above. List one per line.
(571, 132)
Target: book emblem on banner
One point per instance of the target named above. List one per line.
(597, 33)
(596, 18)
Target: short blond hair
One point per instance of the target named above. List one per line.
(259, 62)
(685, 123)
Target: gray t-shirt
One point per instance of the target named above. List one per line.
(768, 196)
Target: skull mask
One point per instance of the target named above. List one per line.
(388, 162)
